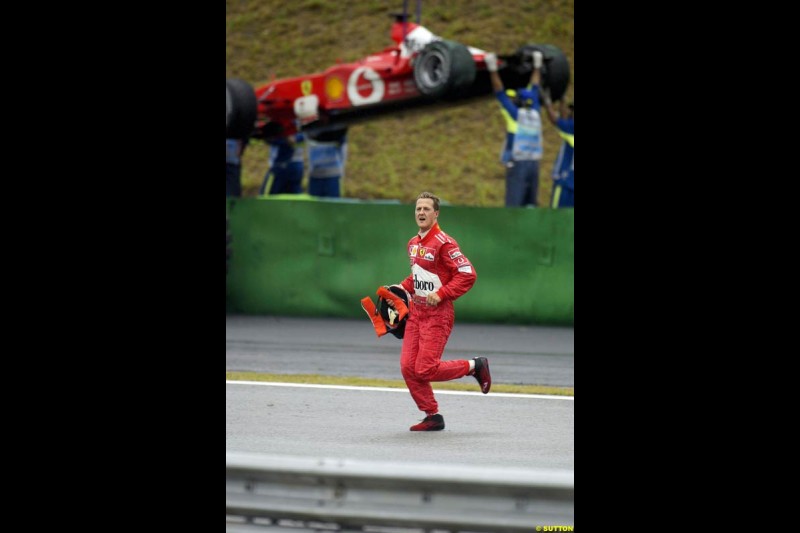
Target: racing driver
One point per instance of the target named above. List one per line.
(440, 273)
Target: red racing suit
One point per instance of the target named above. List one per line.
(437, 265)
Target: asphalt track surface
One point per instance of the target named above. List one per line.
(488, 430)
(528, 355)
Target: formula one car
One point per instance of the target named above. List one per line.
(419, 69)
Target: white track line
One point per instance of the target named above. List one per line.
(388, 389)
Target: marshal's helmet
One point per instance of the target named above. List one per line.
(526, 97)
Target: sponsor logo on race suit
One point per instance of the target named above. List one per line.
(365, 86)
(466, 269)
(428, 256)
(412, 250)
(425, 282)
(455, 253)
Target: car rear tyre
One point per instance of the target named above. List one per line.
(240, 109)
(444, 68)
(555, 67)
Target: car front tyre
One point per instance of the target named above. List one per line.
(240, 109)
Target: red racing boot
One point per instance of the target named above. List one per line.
(430, 423)
(482, 374)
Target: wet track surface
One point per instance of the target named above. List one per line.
(366, 424)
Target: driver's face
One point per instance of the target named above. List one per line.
(424, 214)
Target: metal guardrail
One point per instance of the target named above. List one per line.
(286, 493)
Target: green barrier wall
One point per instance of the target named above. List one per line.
(319, 258)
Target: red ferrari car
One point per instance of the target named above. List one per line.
(419, 69)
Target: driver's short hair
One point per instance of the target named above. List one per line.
(432, 196)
